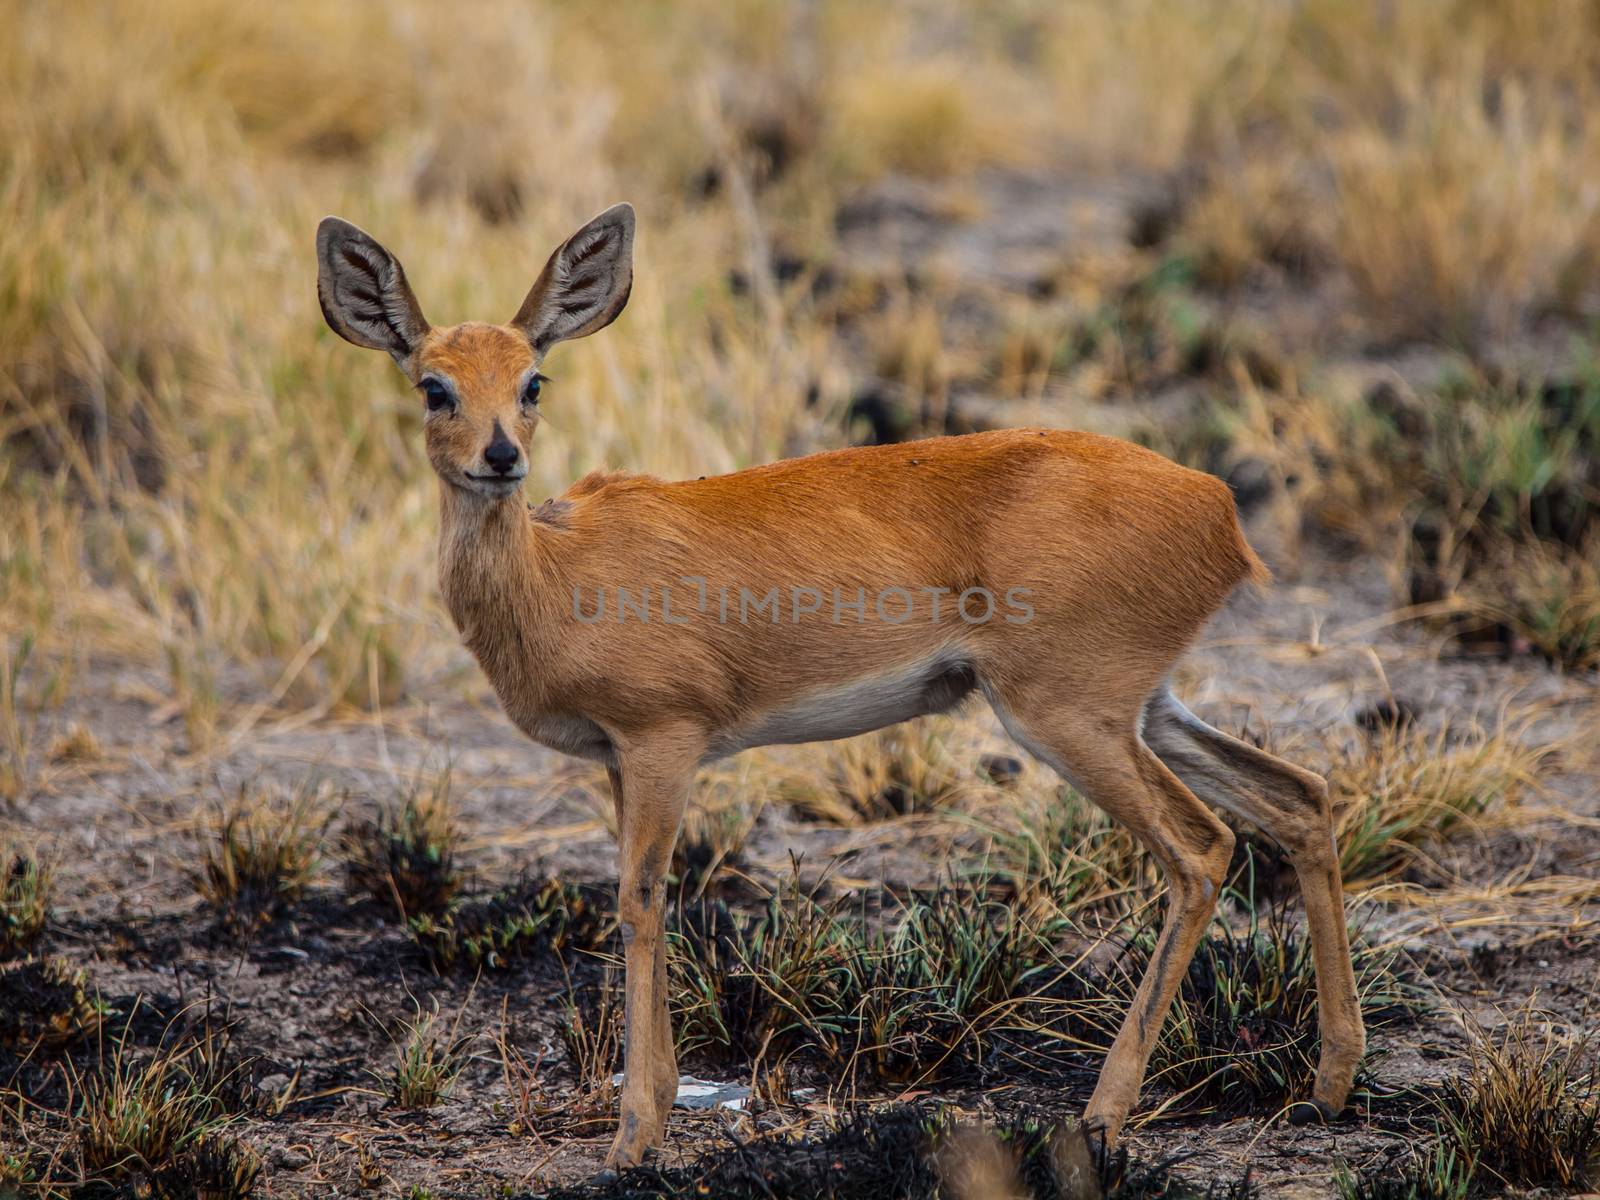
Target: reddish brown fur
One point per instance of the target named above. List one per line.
(1121, 555)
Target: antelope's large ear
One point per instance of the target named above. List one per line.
(364, 294)
(584, 285)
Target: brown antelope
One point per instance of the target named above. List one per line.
(655, 626)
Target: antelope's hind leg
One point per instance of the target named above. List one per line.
(1103, 757)
(1291, 806)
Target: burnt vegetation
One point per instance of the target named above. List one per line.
(260, 855)
(911, 1152)
(404, 855)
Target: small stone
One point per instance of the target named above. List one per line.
(1002, 770)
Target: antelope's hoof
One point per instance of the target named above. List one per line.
(631, 1145)
(619, 1159)
(1312, 1112)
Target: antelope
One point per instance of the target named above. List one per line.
(1059, 574)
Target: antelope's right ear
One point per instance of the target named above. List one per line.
(365, 297)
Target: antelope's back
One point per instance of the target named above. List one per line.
(1007, 508)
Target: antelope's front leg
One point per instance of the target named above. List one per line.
(654, 778)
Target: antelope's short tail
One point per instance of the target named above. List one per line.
(1256, 571)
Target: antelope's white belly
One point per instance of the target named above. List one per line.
(853, 708)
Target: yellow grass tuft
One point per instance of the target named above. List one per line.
(1399, 796)
(920, 119)
(1527, 1111)
(880, 776)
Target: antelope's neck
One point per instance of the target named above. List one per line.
(492, 573)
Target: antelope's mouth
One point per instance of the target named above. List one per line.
(497, 484)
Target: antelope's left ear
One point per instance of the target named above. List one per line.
(584, 285)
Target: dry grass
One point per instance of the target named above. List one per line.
(1064, 857)
(16, 727)
(1258, 220)
(1437, 154)
(725, 802)
(533, 917)
(1476, 489)
(1404, 791)
(1462, 199)
(46, 1003)
(921, 119)
(74, 744)
(160, 1121)
(271, 506)
(590, 1029)
(1321, 450)
(877, 989)
(1244, 1034)
(1548, 596)
(1527, 1112)
(909, 768)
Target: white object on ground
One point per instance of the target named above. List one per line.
(703, 1093)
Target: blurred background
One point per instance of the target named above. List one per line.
(1341, 253)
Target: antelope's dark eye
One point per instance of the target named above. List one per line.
(530, 394)
(437, 395)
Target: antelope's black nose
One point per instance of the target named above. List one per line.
(501, 456)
